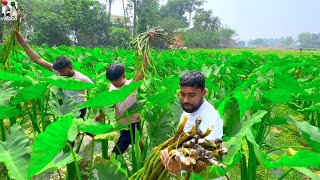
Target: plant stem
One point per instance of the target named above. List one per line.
(75, 162)
(3, 133)
(285, 174)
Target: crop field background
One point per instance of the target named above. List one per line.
(268, 99)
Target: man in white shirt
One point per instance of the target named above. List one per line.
(192, 93)
(62, 67)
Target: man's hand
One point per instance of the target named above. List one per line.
(170, 163)
(19, 36)
(175, 167)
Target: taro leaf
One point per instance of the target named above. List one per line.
(302, 158)
(159, 129)
(69, 83)
(245, 103)
(68, 106)
(14, 153)
(107, 98)
(6, 112)
(160, 99)
(6, 93)
(311, 108)
(6, 76)
(308, 173)
(216, 171)
(60, 161)
(207, 71)
(97, 129)
(49, 144)
(278, 95)
(260, 155)
(109, 169)
(234, 143)
(230, 117)
(310, 133)
(29, 93)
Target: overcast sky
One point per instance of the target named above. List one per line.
(262, 18)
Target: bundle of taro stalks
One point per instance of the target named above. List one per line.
(142, 44)
(189, 148)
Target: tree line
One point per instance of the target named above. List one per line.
(90, 23)
(303, 40)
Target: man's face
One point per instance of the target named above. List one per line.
(191, 98)
(68, 71)
(119, 82)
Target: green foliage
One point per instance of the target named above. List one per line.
(49, 144)
(6, 112)
(120, 37)
(300, 159)
(107, 98)
(31, 92)
(14, 153)
(48, 25)
(147, 15)
(109, 169)
(205, 21)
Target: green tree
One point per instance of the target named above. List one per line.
(225, 37)
(120, 37)
(88, 21)
(50, 29)
(258, 42)
(170, 24)
(287, 41)
(309, 40)
(174, 9)
(147, 14)
(193, 5)
(205, 21)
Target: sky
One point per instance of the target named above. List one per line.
(261, 18)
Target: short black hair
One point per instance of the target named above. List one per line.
(193, 79)
(61, 62)
(115, 71)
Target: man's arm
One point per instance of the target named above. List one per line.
(33, 55)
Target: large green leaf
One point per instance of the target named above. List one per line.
(68, 106)
(101, 128)
(14, 153)
(69, 83)
(6, 112)
(234, 144)
(310, 133)
(59, 162)
(160, 99)
(6, 93)
(230, 116)
(302, 158)
(277, 95)
(29, 93)
(49, 144)
(109, 169)
(107, 98)
(216, 171)
(308, 173)
(6, 76)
